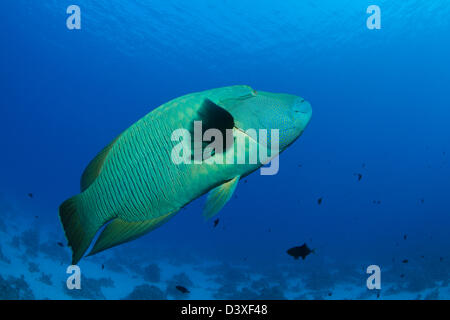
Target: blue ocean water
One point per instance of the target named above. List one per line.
(380, 109)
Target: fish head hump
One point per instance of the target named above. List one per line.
(286, 113)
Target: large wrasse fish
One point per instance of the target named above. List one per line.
(134, 185)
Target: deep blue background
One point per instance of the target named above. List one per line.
(379, 98)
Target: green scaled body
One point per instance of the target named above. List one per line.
(133, 186)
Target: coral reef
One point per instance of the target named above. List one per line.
(30, 241)
(46, 278)
(433, 295)
(180, 279)
(15, 242)
(146, 292)
(4, 258)
(33, 267)
(14, 288)
(225, 273)
(258, 290)
(90, 288)
(152, 273)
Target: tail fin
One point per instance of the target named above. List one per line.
(80, 228)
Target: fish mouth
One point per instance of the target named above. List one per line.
(245, 134)
(302, 106)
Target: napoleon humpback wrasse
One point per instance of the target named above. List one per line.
(133, 185)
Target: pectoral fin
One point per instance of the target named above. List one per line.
(211, 116)
(219, 196)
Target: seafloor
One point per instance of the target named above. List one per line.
(33, 265)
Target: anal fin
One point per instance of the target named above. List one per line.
(219, 196)
(120, 231)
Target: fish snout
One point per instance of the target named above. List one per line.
(302, 106)
(302, 113)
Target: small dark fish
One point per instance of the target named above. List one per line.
(182, 289)
(359, 175)
(378, 295)
(405, 237)
(216, 222)
(30, 195)
(405, 261)
(103, 267)
(422, 201)
(269, 230)
(302, 251)
(36, 217)
(245, 181)
(379, 202)
(441, 259)
(330, 294)
(422, 257)
(60, 244)
(319, 201)
(402, 275)
(299, 165)
(363, 165)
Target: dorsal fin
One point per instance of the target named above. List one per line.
(94, 167)
(212, 116)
